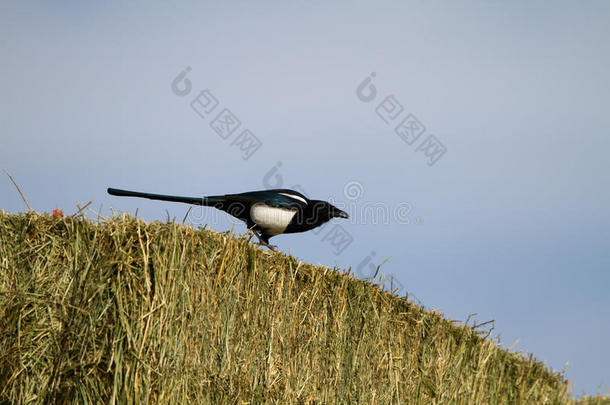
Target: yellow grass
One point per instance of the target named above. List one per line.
(124, 311)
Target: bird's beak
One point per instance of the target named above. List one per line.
(341, 214)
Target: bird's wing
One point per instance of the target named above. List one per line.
(280, 198)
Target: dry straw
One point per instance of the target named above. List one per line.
(122, 311)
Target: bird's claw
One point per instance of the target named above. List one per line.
(261, 242)
(270, 247)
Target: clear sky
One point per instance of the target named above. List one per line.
(511, 222)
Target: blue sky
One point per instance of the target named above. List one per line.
(511, 222)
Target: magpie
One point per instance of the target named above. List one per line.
(266, 212)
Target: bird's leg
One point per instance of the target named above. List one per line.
(271, 247)
(263, 241)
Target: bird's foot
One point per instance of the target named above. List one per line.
(271, 247)
(261, 242)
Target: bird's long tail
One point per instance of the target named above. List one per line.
(206, 201)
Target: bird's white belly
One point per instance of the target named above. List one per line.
(272, 220)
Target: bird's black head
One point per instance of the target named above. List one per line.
(324, 211)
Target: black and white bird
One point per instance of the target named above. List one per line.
(267, 212)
